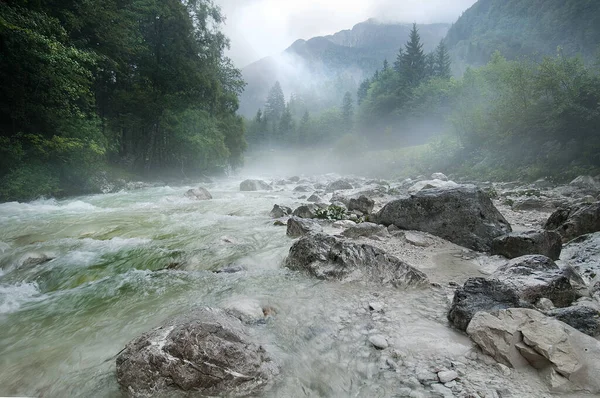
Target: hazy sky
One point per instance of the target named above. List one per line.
(258, 28)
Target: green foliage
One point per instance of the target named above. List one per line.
(332, 212)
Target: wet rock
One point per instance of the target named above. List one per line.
(439, 176)
(206, 351)
(297, 227)
(338, 186)
(365, 229)
(306, 211)
(280, 211)
(340, 197)
(585, 319)
(535, 277)
(303, 188)
(547, 243)
(246, 310)
(362, 204)
(199, 193)
(327, 257)
(254, 185)
(33, 259)
(343, 224)
(464, 215)
(431, 184)
(314, 198)
(519, 337)
(575, 221)
(480, 294)
(378, 341)
(231, 269)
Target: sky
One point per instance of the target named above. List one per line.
(259, 28)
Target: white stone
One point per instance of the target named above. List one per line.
(376, 306)
(545, 304)
(447, 376)
(378, 341)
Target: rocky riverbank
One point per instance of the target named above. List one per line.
(512, 266)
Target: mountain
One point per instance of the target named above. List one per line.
(328, 66)
(525, 27)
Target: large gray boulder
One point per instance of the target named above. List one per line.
(297, 227)
(575, 221)
(588, 183)
(254, 185)
(583, 318)
(464, 215)
(199, 193)
(327, 257)
(279, 211)
(583, 254)
(306, 211)
(480, 294)
(547, 243)
(338, 185)
(523, 337)
(535, 277)
(207, 351)
(362, 204)
(430, 184)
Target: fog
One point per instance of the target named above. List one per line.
(260, 28)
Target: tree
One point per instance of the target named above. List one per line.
(275, 103)
(442, 61)
(386, 64)
(286, 126)
(348, 111)
(413, 61)
(363, 90)
(398, 62)
(304, 129)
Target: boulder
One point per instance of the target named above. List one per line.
(306, 211)
(417, 239)
(338, 186)
(464, 215)
(520, 337)
(327, 257)
(254, 185)
(365, 229)
(294, 179)
(431, 184)
(480, 294)
(547, 243)
(199, 193)
(280, 211)
(583, 318)
(535, 204)
(583, 254)
(362, 204)
(575, 221)
(439, 176)
(303, 188)
(314, 198)
(534, 277)
(586, 182)
(207, 351)
(297, 227)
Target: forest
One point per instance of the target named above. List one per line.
(98, 89)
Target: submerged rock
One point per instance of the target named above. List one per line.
(521, 337)
(255, 185)
(199, 193)
(327, 257)
(535, 277)
(547, 243)
(207, 351)
(480, 294)
(575, 221)
(464, 215)
(297, 227)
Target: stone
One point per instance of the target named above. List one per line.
(465, 216)
(362, 204)
(199, 193)
(439, 390)
(535, 204)
(376, 306)
(254, 185)
(535, 277)
(431, 184)
(340, 197)
(297, 227)
(575, 221)
(365, 229)
(314, 198)
(417, 239)
(439, 176)
(547, 243)
(480, 294)
(279, 211)
(206, 351)
(306, 211)
(246, 310)
(508, 334)
(447, 376)
(231, 269)
(327, 257)
(303, 188)
(544, 304)
(338, 186)
(294, 179)
(343, 224)
(583, 318)
(378, 341)
(583, 254)
(586, 182)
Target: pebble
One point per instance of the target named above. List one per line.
(447, 376)
(378, 341)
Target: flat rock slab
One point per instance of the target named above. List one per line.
(547, 243)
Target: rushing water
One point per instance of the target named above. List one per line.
(122, 263)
